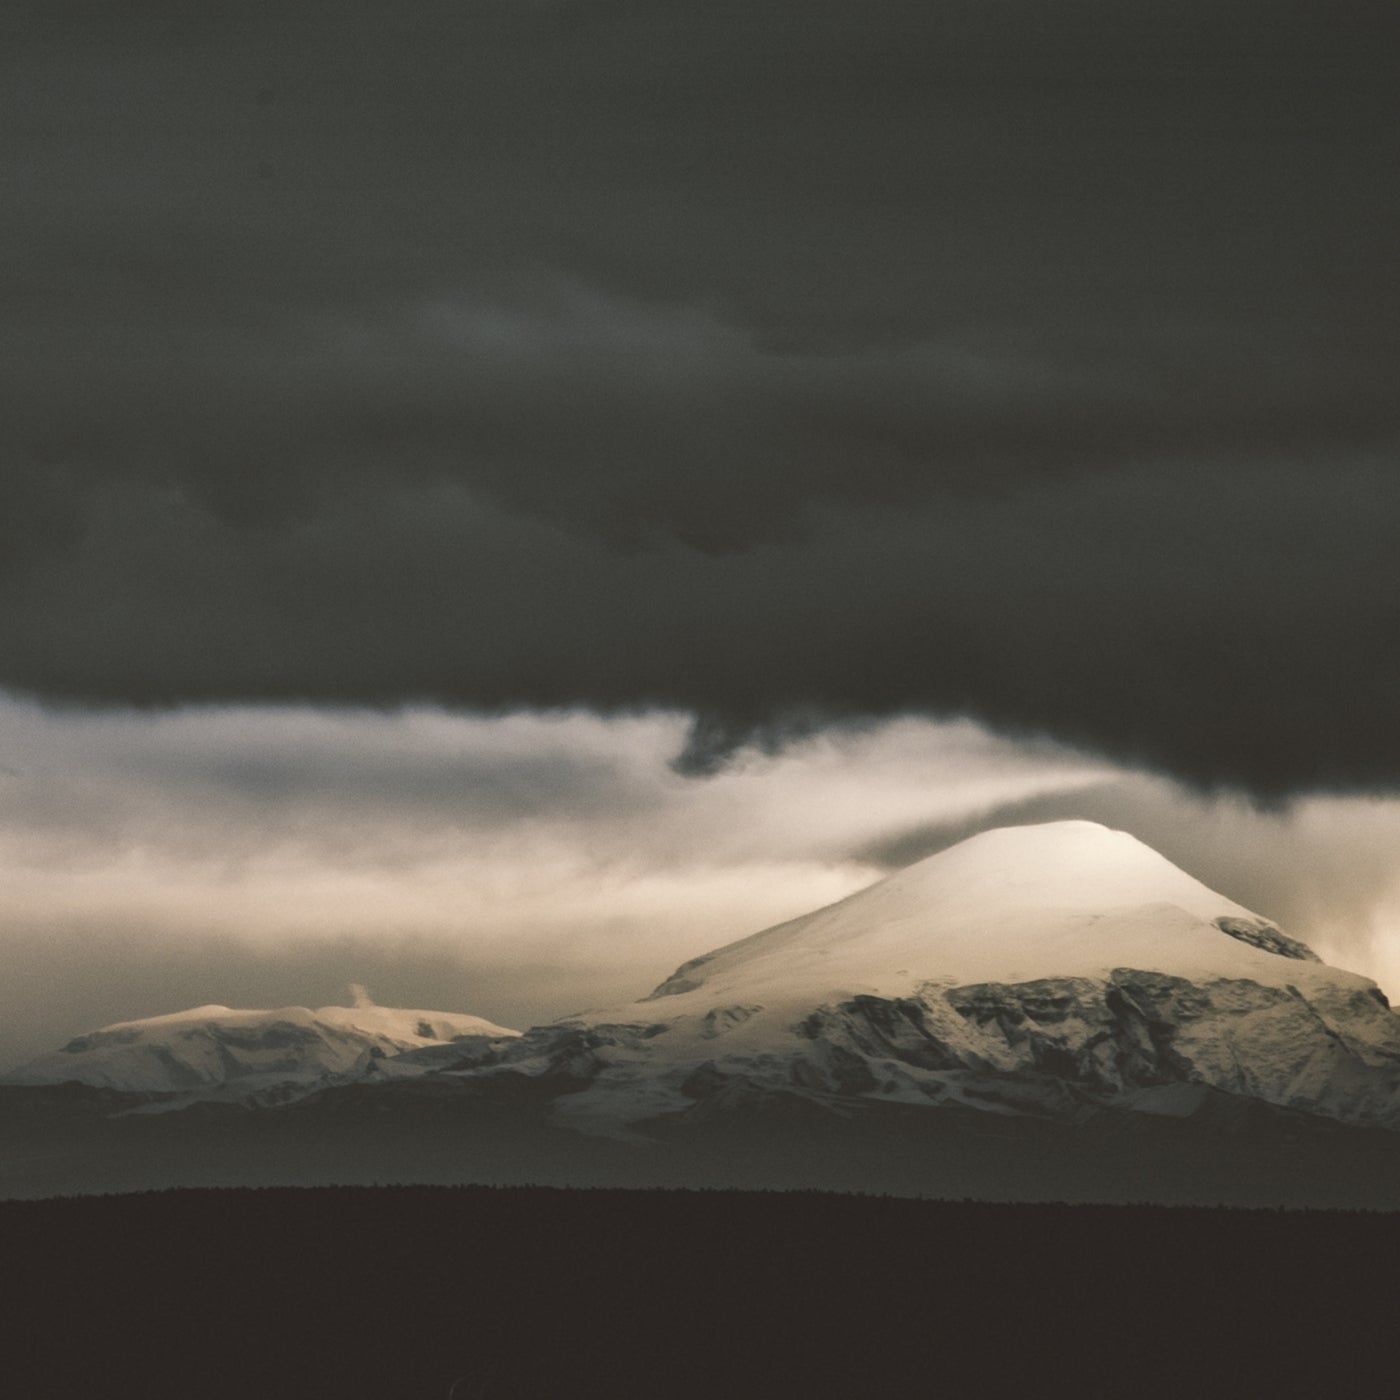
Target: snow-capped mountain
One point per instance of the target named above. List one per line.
(1054, 971)
(1040, 969)
(213, 1049)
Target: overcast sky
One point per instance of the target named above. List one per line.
(1009, 380)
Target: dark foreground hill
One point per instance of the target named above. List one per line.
(402, 1294)
(70, 1140)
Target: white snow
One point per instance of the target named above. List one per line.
(1064, 899)
(1068, 902)
(993, 974)
(212, 1047)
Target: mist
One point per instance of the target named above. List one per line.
(528, 865)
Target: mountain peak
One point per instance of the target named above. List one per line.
(1068, 898)
(1046, 851)
(1055, 863)
(1026, 969)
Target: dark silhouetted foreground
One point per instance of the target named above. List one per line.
(493, 1294)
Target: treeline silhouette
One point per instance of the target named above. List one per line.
(507, 1293)
(1230, 1151)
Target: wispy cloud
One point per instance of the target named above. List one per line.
(525, 865)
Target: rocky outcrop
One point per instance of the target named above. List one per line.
(1054, 971)
(1330, 1052)
(1051, 1046)
(1265, 936)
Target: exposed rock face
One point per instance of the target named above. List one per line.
(723, 1019)
(1258, 934)
(1100, 975)
(682, 980)
(1334, 1054)
(1051, 1045)
(1054, 970)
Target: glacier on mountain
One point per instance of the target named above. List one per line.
(1049, 969)
(1056, 970)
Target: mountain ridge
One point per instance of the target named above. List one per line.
(212, 1048)
(1059, 971)
(1027, 969)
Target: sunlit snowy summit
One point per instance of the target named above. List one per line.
(1058, 971)
(1039, 969)
(215, 1051)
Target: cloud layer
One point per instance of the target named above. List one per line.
(524, 867)
(521, 866)
(1034, 362)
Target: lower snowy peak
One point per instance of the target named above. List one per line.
(212, 1051)
(1044, 969)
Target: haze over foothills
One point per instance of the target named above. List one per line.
(495, 499)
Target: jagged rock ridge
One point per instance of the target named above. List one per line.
(1042, 969)
(1057, 970)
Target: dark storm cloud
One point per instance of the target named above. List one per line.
(1031, 360)
(1203, 620)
